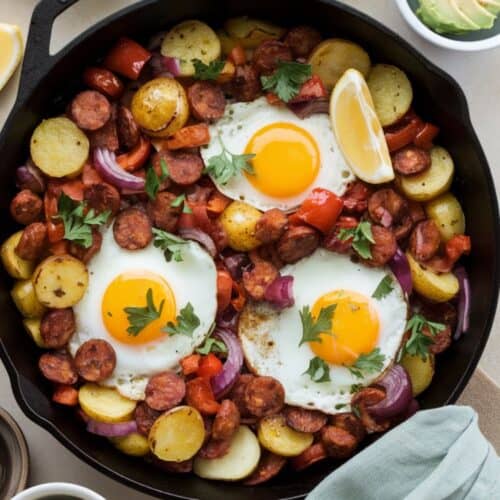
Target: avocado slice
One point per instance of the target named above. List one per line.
(492, 6)
(475, 13)
(443, 16)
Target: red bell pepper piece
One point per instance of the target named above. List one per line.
(127, 58)
(404, 132)
(426, 135)
(320, 209)
(136, 157)
(210, 365)
(238, 55)
(311, 89)
(224, 289)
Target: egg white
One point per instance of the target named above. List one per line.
(192, 280)
(270, 338)
(242, 120)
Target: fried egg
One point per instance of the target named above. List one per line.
(292, 156)
(360, 323)
(119, 279)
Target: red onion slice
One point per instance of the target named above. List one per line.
(108, 168)
(30, 177)
(228, 319)
(308, 108)
(280, 292)
(236, 264)
(223, 381)
(201, 237)
(172, 65)
(400, 267)
(111, 430)
(463, 308)
(397, 385)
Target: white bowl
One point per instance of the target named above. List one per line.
(50, 489)
(442, 41)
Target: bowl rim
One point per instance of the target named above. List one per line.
(58, 488)
(435, 38)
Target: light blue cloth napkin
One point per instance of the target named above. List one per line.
(435, 455)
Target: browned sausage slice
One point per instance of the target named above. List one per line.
(26, 207)
(165, 390)
(184, 168)
(245, 86)
(58, 367)
(259, 278)
(145, 417)
(269, 54)
(384, 248)
(237, 394)
(269, 466)
(33, 242)
(365, 398)
(214, 448)
(206, 100)
(129, 132)
(304, 420)
(386, 207)
(264, 396)
(57, 327)
(90, 110)
(440, 341)
(271, 226)
(296, 243)
(106, 136)
(132, 229)
(309, 456)
(356, 197)
(425, 240)
(338, 442)
(350, 423)
(95, 360)
(102, 197)
(85, 254)
(162, 213)
(411, 160)
(226, 421)
(302, 40)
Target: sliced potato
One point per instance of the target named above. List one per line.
(275, 435)
(447, 213)
(23, 295)
(333, 57)
(391, 92)
(60, 281)
(437, 287)
(59, 148)
(18, 268)
(239, 220)
(191, 40)
(239, 462)
(105, 404)
(434, 181)
(32, 326)
(250, 32)
(420, 371)
(134, 444)
(177, 435)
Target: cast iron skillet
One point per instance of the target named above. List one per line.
(47, 81)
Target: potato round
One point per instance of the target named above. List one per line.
(239, 462)
(134, 444)
(239, 220)
(160, 107)
(190, 40)
(32, 326)
(250, 32)
(60, 281)
(437, 287)
(59, 148)
(420, 371)
(17, 268)
(177, 435)
(447, 213)
(23, 295)
(333, 57)
(276, 436)
(105, 404)
(391, 92)
(434, 181)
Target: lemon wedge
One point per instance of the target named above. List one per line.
(358, 130)
(11, 51)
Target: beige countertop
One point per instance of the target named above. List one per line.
(478, 75)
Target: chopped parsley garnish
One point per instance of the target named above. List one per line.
(418, 343)
(355, 388)
(169, 243)
(361, 238)
(312, 328)
(385, 287)
(286, 81)
(153, 181)
(209, 71)
(78, 224)
(186, 322)
(140, 317)
(367, 363)
(339, 406)
(212, 345)
(181, 200)
(318, 370)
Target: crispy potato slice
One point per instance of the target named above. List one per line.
(18, 268)
(420, 371)
(105, 404)
(250, 32)
(447, 213)
(239, 220)
(134, 444)
(32, 326)
(23, 295)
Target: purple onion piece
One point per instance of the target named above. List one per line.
(172, 65)
(413, 407)
(308, 108)
(228, 319)
(280, 292)
(401, 268)
(111, 430)
(108, 168)
(30, 177)
(463, 307)
(201, 237)
(236, 264)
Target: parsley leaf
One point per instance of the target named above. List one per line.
(212, 345)
(355, 388)
(77, 225)
(140, 317)
(367, 363)
(311, 328)
(153, 181)
(209, 71)
(384, 288)
(361, 238)
(318, 370)
(186, 322)
(169, 243)
(286, 81)
(181, 200)
(224, 166)
(418, 343)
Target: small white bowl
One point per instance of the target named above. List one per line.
(42, 491)
(413, 20)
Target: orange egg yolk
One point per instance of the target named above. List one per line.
(354, 331)
(286, 160)
(130, 290)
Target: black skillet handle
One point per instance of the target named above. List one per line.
(37, 59)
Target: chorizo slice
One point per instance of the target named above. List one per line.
(264, 396)
(165, 390)
(227, 420)
(338, 442)
(145, 417)
(245, 86)
(26, 207)
(95, 360)
(425, 240)
(237, 394)
(386, 207)
(296, 243)
(350, 423)
(440, 341)
(304, 420)
(85, 254)
(162, 213)
(302, 40)
(184, 167)
(104, 81)
(132, 229)
(106, 136)
(332, 241)
(411, 160)
(271, 226)
(33, 242)
(356, 197)
(206, 100)
(58, 367)
(102, 197)
(269, 466)
(128, 131)
(259, 278)
(269, 54)
(384, 248)
(90, 110)
(214, 448)
(365, 398)
(315, 453)
(57, 327)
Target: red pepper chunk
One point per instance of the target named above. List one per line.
(210, 365)
(127, 58)
(320, 209)
(426, 135)
(311, 89)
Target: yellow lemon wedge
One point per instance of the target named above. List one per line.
(358, 130)
(11, 51)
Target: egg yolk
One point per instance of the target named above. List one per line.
(354, 331)
(286, 160)
(130, 290)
